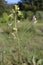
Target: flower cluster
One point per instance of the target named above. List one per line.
(13, 35)
(15, 13)
(16, 7)
(34, 20)
(17, 10)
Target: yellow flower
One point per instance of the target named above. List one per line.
(19, 13)
(15, 29)
(34, 18)
(35, 21)
(13, 34)
(14, 37)
(18, 21)
(16, 7)
(11, 15)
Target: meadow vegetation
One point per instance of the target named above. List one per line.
(21, 42)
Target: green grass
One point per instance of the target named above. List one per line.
(30, 41)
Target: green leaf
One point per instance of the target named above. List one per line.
(40, 62)
(5, 16)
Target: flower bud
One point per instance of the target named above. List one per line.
(15, 29)
(16, 8)
(13, 34)
(18, 21)
(19, 13)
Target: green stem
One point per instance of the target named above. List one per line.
(17, 38)
(15, 20)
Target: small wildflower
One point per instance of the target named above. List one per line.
(15, 29)
(19, 13)
(13, 34)
(14, 37)
(11, 15)
(16, 8)
(34, 20)
(18, 21)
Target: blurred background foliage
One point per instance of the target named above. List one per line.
(25, 5)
